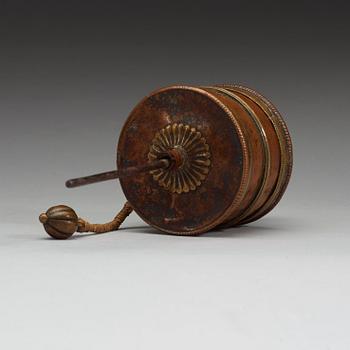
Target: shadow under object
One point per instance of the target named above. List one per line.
(191, 159)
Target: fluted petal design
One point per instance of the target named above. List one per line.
(196, 164)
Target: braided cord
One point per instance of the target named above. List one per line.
(85, 226)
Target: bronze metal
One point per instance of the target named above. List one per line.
(191, 159)
(189, 154)
(60, 221)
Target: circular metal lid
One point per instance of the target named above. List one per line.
(200, 136)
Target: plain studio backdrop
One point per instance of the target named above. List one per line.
(70, 73)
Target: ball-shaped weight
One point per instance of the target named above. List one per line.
(60, 221)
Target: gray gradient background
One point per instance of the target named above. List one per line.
(70, 72)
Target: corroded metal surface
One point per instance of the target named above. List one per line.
(284, 147)
(204, 208)
(192, 159)
(250, 158)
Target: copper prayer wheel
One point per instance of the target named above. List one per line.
(192, 159)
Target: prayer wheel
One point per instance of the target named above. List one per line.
(193, 159)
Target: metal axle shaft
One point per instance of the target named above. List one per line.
(115, 174)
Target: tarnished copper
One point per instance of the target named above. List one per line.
(201, 158)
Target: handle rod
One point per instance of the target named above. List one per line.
(115, 174)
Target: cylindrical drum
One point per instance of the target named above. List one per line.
(230, 154)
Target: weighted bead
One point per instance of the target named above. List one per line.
(60, 221)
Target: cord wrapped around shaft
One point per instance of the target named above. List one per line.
(85, 226)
